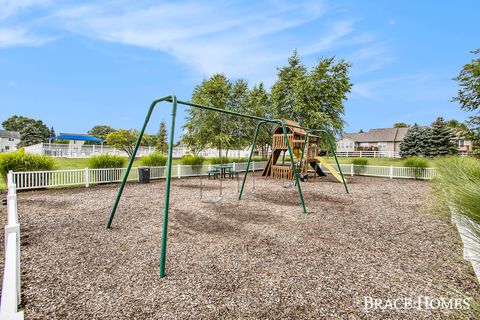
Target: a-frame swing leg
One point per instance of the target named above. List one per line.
(295, 173)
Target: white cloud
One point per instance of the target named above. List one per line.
(11, 37)
(247, 41)
(11, 7)
(419, 87)
(242, 41)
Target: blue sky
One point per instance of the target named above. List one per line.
(78, 64)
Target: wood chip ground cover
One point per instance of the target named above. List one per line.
(256, 258)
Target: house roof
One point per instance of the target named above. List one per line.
(9, 134)
(378, 135)
(76, 136)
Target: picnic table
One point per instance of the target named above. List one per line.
(223, 168)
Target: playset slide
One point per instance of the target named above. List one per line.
(330, 168)
(317, 169)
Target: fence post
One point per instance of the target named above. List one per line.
(12, 200)
(179, 171)
(87, 178)
(352, 169)
(391, 172)
(253, 166)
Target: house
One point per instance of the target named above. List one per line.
(383, 139)
(9, 140)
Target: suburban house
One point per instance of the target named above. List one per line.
(383, 139)
(9, 140)
(382, 142)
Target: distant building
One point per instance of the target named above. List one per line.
(9, 140)
(383, 139)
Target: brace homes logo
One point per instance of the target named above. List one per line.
(419, 303)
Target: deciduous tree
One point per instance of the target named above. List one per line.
(31, 131)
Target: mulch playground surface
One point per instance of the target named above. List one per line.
(259, 258)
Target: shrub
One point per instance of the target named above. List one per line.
(218, 160)
(359, 164)
(106, 161)
(22, 161)
(459, 181)
(476, 153)
(360, 161)
(419, 165)
(154, 160)
(190, 160)
(415, 162)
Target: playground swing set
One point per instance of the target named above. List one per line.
(286, 131)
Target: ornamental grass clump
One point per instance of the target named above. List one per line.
(106, 161)
(418, 164)
(155, 159)
(22, 161)
(459, 181)
(359, 164)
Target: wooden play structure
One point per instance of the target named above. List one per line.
(305, 152)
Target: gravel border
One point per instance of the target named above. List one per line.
(256, 258)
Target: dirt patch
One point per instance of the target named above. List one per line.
(259, 258)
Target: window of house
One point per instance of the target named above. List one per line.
(364, 144)
(11, 139)
(7, 147)
(382, 146)
(461, 142)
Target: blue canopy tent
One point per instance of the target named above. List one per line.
(76, 137)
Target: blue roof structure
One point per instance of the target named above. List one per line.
(75, 136)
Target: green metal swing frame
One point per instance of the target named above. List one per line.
(175, 102)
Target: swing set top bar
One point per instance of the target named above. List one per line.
(173, 99)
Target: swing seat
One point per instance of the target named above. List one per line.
(215, 173)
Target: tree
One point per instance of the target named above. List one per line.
(162, 143)
(205, 128)
(31, 131)
(100, 131)
(123, 139)
(312, 97)
(415, 142)
(52, 133)
(400, 125)
(469, 81)
(440, 139)
(258, 104)
(469, 96)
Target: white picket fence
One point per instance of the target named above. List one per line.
(86, 177)
(11, 285)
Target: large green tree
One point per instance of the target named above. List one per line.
(31, 131)
(100, 131)
(205, 128)
(440, 139)
(258, 104)
(468, 95)
(314, 97)
(469, 81)
(162, 142)
(122, 139)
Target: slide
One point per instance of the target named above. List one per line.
(317, 169)
(330, 168)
